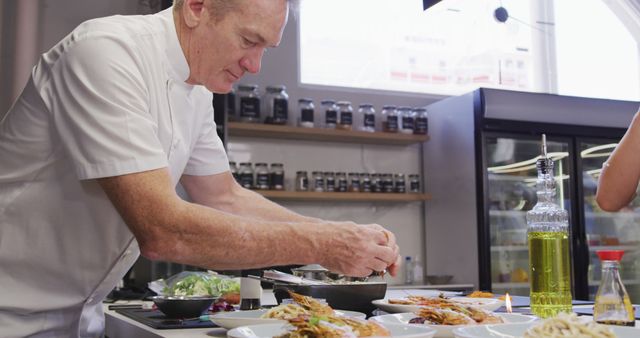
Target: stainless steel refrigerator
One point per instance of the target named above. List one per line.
(480, 169)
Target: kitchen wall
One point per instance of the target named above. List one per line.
(31, 27)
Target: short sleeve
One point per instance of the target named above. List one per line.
(208, 156)
(99, 102)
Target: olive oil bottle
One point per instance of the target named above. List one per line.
(548, 238)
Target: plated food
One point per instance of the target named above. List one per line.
(309, 318)
(277, 330)
(414, 303)
(518, 330)
(231, 320)
(447, 330)
(569, 325)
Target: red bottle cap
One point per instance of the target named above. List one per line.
(610, 255)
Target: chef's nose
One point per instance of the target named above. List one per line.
(253, 61)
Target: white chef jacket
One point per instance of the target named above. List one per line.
(109, 99)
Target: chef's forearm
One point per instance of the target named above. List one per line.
(621, 172)
(214, 239)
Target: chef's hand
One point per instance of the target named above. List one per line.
(358, 250)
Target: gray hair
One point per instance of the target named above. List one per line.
(221, 7)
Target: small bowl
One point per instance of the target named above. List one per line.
(439, 279)
(181, 306)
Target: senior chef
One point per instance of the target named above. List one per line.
(111, 119)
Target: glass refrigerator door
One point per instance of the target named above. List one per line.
(609, 230)
(510, 183)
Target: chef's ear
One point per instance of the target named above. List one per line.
(192, 12)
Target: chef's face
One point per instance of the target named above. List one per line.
(222, 49)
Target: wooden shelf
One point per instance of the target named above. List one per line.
(342, 196)
(321, 134)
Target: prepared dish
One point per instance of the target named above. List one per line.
(568, 325)
(309, 318)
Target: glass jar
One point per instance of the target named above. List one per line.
(407, 119)
(342, 183)
(262, 176)
(367, 115)
(399, 184)
(330, 113)
(365, 182)
(318, 181)
(277, 176)
(233, 169)
(246, 175)
(345, 111)
(329, 181)
(376, 183)
(276, 101)
(389, 117)
(421, 126)
(302, 181)
(354, 182)
(249, 103)
(414, 183)
(230, 101)
(387, 182)
(306, 118)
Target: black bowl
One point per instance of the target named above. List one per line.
(349, 296)
(181, 306)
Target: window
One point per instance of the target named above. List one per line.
(562, 46)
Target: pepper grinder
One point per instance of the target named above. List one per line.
(250, 293)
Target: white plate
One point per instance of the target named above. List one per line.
(518, 330)
(233, 319)
(489, 304)
(446, 330)
(271, 330)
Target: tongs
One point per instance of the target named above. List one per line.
(274, 276)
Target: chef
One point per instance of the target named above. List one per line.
(112, 118)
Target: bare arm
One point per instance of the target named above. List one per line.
(222, 192)
(168, 228)
(620, 174)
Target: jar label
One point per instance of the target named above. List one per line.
(400, 186)
(366, 186)
(250, 107)
(387, 186)
(262, 181)
(306, 115)
(377, 186)
(342, 185)
(415, 186)
(331, 184)
(422, 126)
(369, 120)
(280, 109)
(303, 183)
(392, 123)
(246, 180)
(331, 116)
(407, 122)
(277, 180)
(318, 184)
(346, 118)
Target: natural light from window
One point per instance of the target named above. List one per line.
(458, 46)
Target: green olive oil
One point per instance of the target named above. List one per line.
(550, 273)
(548, 237)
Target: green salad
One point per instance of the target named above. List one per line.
(201, 284)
